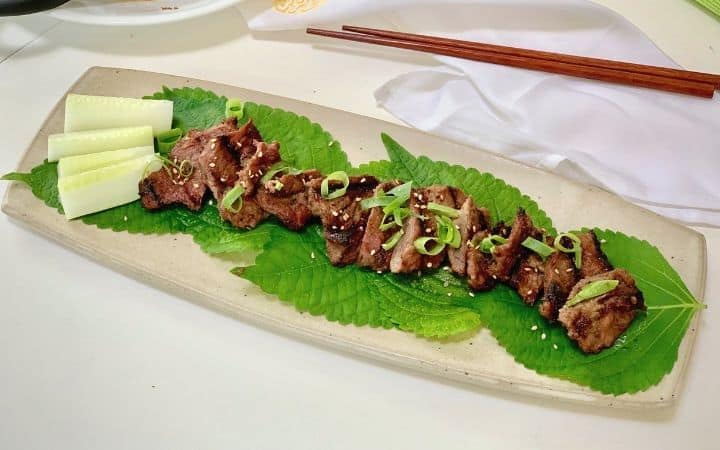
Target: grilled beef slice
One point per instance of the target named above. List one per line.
(506, 255)
(528, 277)
(478, 263)
(252, 168)
(560, 277)
(595, 324)
(441, 195)
(594, 261)
(343, 218)
(471, 220)
(371, 252)
(290, 203)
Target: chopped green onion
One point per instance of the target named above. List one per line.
(335, 176)
(576, 248)
(397, 218)
(592, 290)
(167, 140)
(184, 169)
(488, 244)
(278, 167)
(401, 191)
(393, 240)
(421, 246)
(233, 200)
(380, 199)
(276, 185)
(443, 210)
(234, 108)
(447, 233)
(538, 247)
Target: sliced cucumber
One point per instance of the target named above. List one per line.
(84, 142)
(73, 165)
(104, 188)
(90, 112)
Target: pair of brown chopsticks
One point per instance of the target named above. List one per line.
(639, 75)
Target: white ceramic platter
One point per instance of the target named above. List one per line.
(161, 260)
(135, 12)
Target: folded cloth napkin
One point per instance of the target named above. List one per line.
(656, 149)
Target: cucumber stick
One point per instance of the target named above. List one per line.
(73, 165)
(84, 142)
(90, 112)
(104, 188)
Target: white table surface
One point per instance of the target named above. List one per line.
(91, 359)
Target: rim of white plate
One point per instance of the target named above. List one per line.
(90, 16)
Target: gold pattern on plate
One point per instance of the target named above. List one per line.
(296, 6)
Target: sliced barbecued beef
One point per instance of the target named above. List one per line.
(286, 197)
(560, 277)
(594, 260)
(595, 324)
(252, 168)
(506, 255)
(478, 263)
(421, 223)
(471, 220)
(169, 187)
(371, 252)
(343, 218)
(528, 277)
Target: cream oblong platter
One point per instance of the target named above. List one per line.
(162, 260)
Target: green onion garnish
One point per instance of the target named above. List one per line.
(167, 140)
(276, 185)
(592, 290)
(576, 248)
(397, 217)
(234, 108)
(401, 191)
(488, 244)
(538, 247)
(421, 246)
(393, 240)
(443, 210)
(184, 169)
(447, 233)
(380, 199)
(233, 200)
(278, 167)
(335, 176)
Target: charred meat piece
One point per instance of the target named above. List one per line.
(506, 255)
(219, 165)
(595, 324)
(478, 264)
(371, 252)
(343, 218)
(560, 277)
(421, 223)
(251, 170)
(594, 261)
(289, 203)
(528, 277)
(471, 220)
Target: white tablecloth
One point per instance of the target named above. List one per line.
(91, 359)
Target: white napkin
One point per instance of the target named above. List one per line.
(656, 149)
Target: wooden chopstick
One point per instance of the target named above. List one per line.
(538, 54)
(688, 87)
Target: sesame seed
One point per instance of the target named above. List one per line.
(529, 292)
(346, 216)
(361, 228)
(125, 218)
(471, 293)
(195, 185)
(416, 205)
(372, 252)
(312, 255)
(415, 194)
(449, 294)
(494, 277)
(358, 199)
(362, 180)
(335, 213)
(457, 227)
(442, 196)
(182, 183)
(379, 271)
(602, 241)
(534, 328)
(212, 146)
(213, 140)
(569, 270)
(334, 227)
(259, 155)
(429, 265)
(446, 268)
(342, 227)
(527, 269)
(211, 164)
(557, 271)
(428, 230)
(423, 206)
(543, 336)
(223, 179)
(474, 228)
(210, 202)
(555, 346)
(420, 197)
(174, 170)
